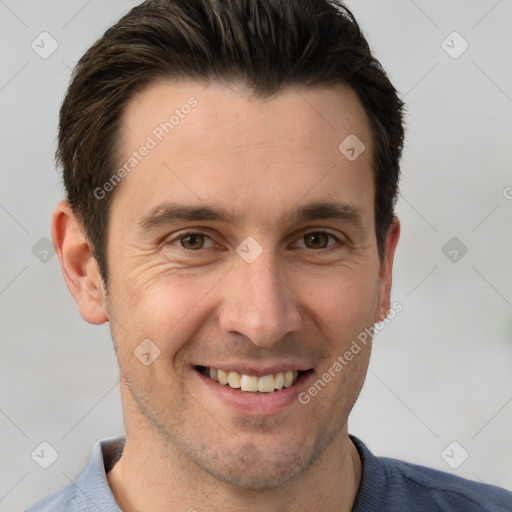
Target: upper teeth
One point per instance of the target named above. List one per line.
(265, 384)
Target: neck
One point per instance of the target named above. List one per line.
(153, 476)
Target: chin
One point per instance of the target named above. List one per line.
(251, 468)
(259, 478)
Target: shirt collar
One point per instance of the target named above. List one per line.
(94, 493)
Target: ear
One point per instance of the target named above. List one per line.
(386, 270)
(79, 267)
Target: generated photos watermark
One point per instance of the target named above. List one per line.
(342, 360)
(152, 140)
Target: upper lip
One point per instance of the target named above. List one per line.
(258, 371)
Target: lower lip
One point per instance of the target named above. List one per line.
(257, 404)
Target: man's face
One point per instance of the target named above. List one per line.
(292, 297)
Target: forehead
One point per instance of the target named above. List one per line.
(218, 144)
(290, 115)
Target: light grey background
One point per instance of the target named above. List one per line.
(440, 371)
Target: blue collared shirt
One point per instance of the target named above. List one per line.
(387, 485)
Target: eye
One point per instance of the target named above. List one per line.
(318, 240)
(192, 241)
(195, 241)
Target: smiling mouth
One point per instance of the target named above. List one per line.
(250, 383)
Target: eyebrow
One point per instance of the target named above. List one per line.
(168, 213)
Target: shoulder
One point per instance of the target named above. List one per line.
(446, 491)
(61, 500)
(90, 492)
(393, 485)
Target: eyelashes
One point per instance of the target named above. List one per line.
(188, 241)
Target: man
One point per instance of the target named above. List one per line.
(231, 170)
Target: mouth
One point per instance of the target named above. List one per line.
(253, 384)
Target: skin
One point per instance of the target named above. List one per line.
(185, 448)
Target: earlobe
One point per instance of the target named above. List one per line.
(79, 267)
(386, 270)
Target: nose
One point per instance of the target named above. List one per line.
(259, 303)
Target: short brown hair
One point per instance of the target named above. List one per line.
(268, 44)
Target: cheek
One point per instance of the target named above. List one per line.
(343, 301)
(167, 309)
